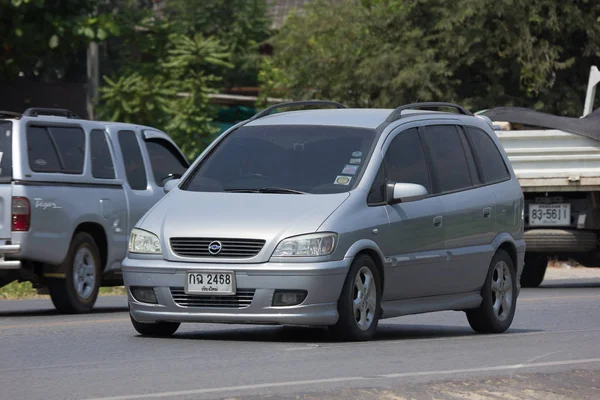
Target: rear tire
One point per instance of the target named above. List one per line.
(534, 270)
(499, 293)
(78, 291)
(359, 302)
(155, 329)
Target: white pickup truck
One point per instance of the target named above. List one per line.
(557, 162)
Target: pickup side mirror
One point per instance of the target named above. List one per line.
(170, 185)
(405, 192)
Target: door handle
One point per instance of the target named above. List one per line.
(437, 222)
(487, 212)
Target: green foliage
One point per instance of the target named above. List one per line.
(241, 25)
(175, 97)
(46, 40)
(383, 53)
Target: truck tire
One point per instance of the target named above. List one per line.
(533, 270)
(78, 291)
(560, 241)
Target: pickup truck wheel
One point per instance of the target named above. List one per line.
(533, 270)
(157, 329)
(78, 291)
(497, 310)
(359, 302)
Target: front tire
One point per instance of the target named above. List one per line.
(78, 291)
(359, 302)
(499, 293)
(534, 270)
(155, 329)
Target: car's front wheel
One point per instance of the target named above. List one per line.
(499, 293)
(157, 329)
(359, 302)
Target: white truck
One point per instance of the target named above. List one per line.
(557, 162)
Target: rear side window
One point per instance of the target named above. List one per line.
(165, 160)
(491, 162)
(132, 158)
(5, 150)
(405, 160)
(102, 163)
(56, 149)
(448, 159)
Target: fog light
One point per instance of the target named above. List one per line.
(289, 297)
(143, 294)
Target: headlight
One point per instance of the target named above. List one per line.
(143, 242)
(318, 244)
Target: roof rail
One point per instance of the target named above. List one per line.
(37, 111)
(269, 110)
(397, 113)
(9, 114)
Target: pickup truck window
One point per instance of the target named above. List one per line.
(102, 163)
(133, 161)
(56, 149)
(490, 160)
(164, 159)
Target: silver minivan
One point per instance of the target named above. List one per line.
(334, 217)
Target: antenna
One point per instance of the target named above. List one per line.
(424, 83)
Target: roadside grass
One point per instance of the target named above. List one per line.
(24, 290)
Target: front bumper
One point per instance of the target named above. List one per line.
(323, 281)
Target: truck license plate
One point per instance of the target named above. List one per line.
(549, 214)
(210, 283)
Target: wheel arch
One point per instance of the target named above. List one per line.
(98, 233)
(372, 250)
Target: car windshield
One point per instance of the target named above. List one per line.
(285, 159)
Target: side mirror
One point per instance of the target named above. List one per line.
(170, 185)
(405, 192)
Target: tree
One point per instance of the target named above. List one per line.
(175, 96)
(242, 25)
(384, 53)
(46, 40)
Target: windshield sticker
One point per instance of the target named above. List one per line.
(355, 161)
(357, 154)
(342, 180)
(350, 169)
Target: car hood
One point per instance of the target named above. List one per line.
(269, 217)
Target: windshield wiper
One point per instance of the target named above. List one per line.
(266, 190)
(279, 190)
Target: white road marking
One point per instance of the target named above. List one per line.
(346, 379)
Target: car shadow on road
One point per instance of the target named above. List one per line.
(53, 312)
(307, 335)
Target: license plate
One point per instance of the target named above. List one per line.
(210, 283)
(549, 214)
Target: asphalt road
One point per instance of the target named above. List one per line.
(552, 351)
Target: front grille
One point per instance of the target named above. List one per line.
(231, 248)
(242, 299)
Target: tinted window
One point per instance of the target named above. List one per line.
(164, 159)
(132, 158)
(313, 159)
(377, 192)
(102, 163)
(41, 151)
(5, 149)
(490, 160)
(70, 143)
(448, 160)
(405, 160)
